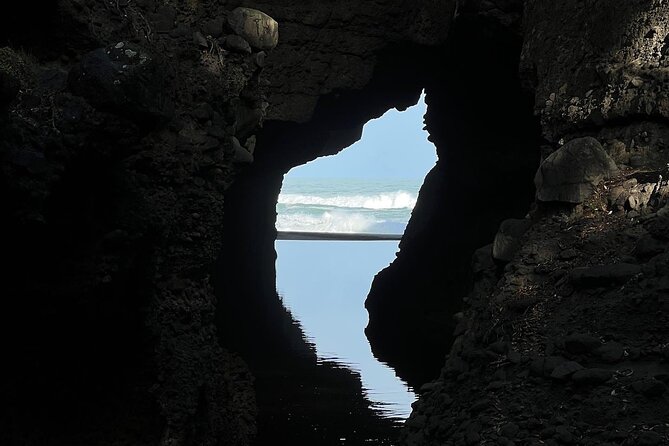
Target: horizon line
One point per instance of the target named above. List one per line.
(336, 236)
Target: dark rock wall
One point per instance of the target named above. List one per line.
(392, 64)
(487, 138)
(116, 151)
(548, 346)
(331, 47)
(127, 132)
(123, 125)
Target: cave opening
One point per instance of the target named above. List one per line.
(487, 139)
(339, 220)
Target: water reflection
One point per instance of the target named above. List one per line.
(324, 285)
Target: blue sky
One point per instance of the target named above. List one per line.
(392, 146)
(325, 283)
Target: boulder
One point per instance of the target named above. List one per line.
(257, 28)
(570, 174)
(507, 239)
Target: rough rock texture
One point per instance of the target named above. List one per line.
(600, 70)
(570, 174)
(334, 48)
(357, 61)
(124, 124)
(257, 28)
(131, 157)
(508, 239)
(481, 179)
(565, 343)
(116, 151)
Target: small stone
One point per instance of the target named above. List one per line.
(479, 406)
(637, 161)
(200, 40)
(544, 366)
(241, 155)
(499, 347)
(581, 343)
(237, 44)
(568, 254)
(495, 385)
(513, 357)
(472, 438)
(636, 82)
(203, 112)
(592, 376)
(260, 59)
(565, 370)
(508, 238)
(649, 387)
(250, 144)
(547, 432)
(257, 28)
(509, 430)
(611, 352)
(563, 435)
(649, 438)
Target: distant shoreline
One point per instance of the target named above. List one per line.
(339, 236)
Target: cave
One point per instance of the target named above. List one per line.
(143, 149)
(487, 141)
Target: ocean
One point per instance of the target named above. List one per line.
(324, 283)
(346, 205)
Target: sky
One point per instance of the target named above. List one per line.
(392, 146)
(325, 283)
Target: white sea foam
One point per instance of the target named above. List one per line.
(333, 221)
(392, 200)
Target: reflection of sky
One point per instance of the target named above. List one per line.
(324, 284)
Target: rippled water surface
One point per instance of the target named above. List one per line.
(324, 284)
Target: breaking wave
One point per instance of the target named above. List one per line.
(391, 200)
(331, 221)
